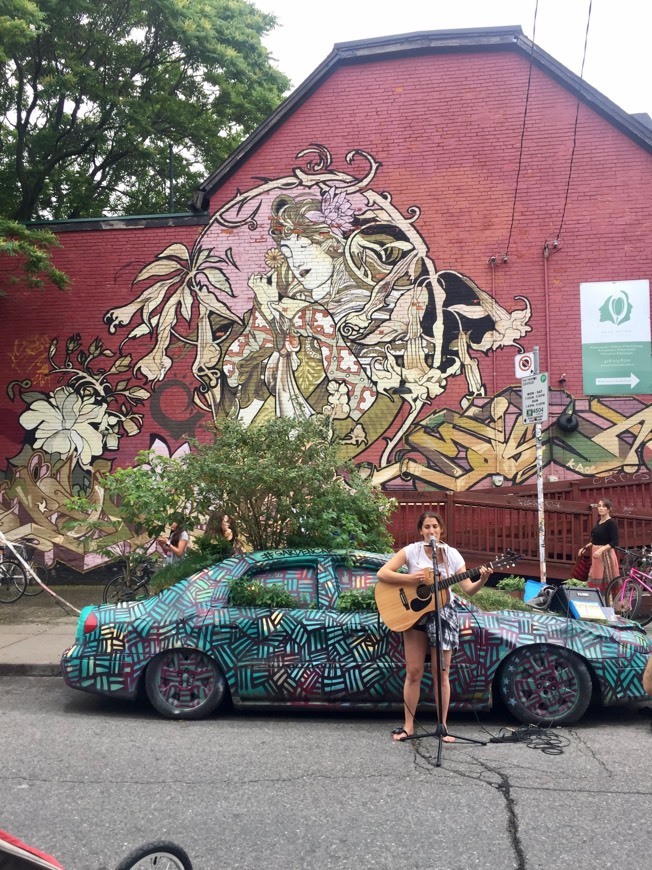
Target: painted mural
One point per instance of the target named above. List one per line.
(306, 294)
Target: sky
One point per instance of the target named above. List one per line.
(618, 60)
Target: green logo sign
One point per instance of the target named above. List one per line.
(616, 308)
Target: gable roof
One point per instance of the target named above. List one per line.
(427, 42)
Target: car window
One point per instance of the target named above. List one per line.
(357, 578)
(299, 580)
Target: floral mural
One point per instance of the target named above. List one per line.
(307, 294)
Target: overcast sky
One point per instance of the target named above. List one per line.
(618, 60)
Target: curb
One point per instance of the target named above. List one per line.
(22, 670)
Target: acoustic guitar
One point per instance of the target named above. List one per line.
(401, 606)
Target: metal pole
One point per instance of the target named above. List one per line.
(171, 191)
(539, 458)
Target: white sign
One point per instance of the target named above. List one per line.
(524, 364)
(534, 391)
(616, 342)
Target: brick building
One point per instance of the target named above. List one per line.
(419, 211)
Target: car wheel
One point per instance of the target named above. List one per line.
(544, 685)
(185, 684)
(162, 855)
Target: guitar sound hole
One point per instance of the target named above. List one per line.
(423, 592)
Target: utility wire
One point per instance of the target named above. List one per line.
(577, 114)
(520, 153)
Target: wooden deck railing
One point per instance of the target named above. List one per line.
(484, 524)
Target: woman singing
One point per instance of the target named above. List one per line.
(418, 557)
(604, 538)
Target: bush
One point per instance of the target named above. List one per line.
(495, 599)
(245, 592)
(511, 584)
(281, 482)
(191, 563)
(357, 599)
(573, 582)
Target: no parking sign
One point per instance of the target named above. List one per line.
(525, 364)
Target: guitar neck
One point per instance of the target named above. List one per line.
(456, 578)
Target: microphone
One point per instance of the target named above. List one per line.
(433, 542)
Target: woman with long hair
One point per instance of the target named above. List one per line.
(175, 544)
(418, 558)
(604, 540)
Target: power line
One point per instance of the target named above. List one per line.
(577, 114)
(520, 153)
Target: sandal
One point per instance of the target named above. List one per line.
(397, 731)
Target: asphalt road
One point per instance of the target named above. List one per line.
(88, 779)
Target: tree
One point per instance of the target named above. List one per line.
(282, 483)
(31, 248)
(93, 96)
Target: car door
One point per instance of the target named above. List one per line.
(281, 653)
(367, 665)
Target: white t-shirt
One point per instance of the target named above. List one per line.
(416, 558)
(172, 557)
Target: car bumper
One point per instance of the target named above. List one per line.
(109, 674)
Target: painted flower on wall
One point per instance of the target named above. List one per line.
(68, 424)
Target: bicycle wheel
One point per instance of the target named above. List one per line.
(117, 590)
(34, 588)
(624, 595)
(13, 581)
(161, 855)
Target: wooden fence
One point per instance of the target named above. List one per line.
(483, 524)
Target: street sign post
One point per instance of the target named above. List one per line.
(534, 404)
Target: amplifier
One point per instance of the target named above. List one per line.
(578, 602)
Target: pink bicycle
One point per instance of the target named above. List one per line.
(626, 593)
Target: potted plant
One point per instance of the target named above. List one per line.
(513, 585)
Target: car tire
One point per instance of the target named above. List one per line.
(545, 685)
(160, 854)
(185, 684)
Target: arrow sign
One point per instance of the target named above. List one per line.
(632, 380)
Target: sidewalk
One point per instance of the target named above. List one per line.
(35, 630)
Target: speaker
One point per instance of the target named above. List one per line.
(578, 602)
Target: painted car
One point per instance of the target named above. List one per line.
(192, 651)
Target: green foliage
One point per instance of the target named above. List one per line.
(94, 95)
(245, 592)
(282, 484)
(511, 584)
(108, 536)
(495, 599)
(573, 582)
(357, 600)
(30, 247)
(190, 563)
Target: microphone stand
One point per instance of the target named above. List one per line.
(440, 730)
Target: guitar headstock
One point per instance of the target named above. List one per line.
(507, 560)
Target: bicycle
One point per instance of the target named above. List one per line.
(625, 593)
(25, 547)
(130, 583)
(13, 579)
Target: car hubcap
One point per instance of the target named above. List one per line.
(546, 686)
(185, 679)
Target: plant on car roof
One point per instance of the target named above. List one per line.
(245, 592)
(512, 583)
